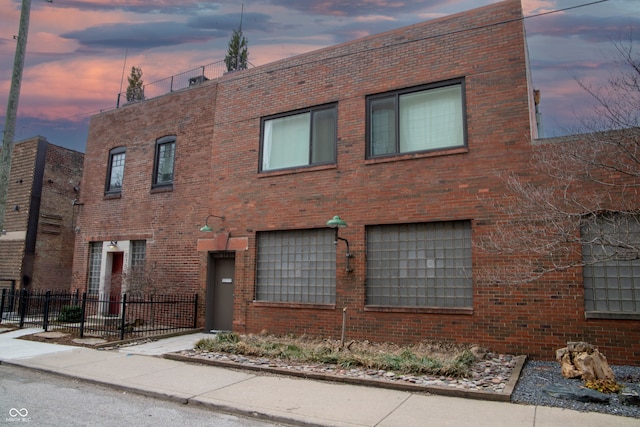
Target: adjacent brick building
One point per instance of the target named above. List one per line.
(36, 245)
(401, 134)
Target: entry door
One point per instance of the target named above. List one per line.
(115, 287)
(220, 285)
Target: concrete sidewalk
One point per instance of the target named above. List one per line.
(282, 399)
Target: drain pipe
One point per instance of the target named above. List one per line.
(344, 324)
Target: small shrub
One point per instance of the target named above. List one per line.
(70, 314)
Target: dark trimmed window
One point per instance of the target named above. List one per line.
(115, 173)
(302, 138)
(420, 265)
(426, 118)
(296, 266)
(164, 161)
(611, 254)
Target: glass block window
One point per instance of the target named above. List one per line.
(420, 265)
(95, 260)
(138, 253)
(611, 273)
(296, 266)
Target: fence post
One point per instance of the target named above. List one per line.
(12, 294)
(195, 312)
(4, 294)
(84, 311)
(122, 323)
(23, 306)
(45, 320)
(171, 85)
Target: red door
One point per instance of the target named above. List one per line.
(116, 283)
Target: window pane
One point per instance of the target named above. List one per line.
(166, 156)
(286, 142)
(610, 282)
(324, 136)
(383, 126)
(431, 119)
(95, 260)
(296, 266)
(401, 273)
(117, 171)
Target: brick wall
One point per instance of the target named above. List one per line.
(12, 244)
(217, 126)
(55, 238)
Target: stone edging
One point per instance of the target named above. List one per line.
(504, 396)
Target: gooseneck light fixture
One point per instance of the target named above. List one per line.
(336, 222)
(113, 245)
(206, 227)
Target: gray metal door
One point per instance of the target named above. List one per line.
(220, 284)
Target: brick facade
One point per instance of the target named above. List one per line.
(37, 249)
(218, 131)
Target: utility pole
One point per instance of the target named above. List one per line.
(12, 108)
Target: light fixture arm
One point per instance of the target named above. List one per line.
(348, 254)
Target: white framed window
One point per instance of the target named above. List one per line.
(95, 262)
(420, 265)
(296, 266)
(611, 272)
(302, 138)
(426, 118)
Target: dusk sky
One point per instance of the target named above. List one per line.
(77, 48)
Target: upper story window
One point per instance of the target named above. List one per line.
(417, 119)
(115, 173)
(164, 161)
(302, 138)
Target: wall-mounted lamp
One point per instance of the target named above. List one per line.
(113, 245)
(337, 222)
(206, 227)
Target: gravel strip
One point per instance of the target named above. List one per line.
(536, 375)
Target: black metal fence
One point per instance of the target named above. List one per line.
(91, 315)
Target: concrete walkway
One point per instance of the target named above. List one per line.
(282, 399)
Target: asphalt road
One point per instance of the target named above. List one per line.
(40, 399)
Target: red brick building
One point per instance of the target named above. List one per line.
(36, 245)
(400, 134)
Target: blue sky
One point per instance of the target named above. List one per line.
(77, 48)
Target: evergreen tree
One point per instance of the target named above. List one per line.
(237, 53)
(135, 91)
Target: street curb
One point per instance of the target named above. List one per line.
(505, 396)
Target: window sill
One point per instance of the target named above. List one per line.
(421, 310)
(301, 169)
(610, 315)
(410, 156)
(293, 305)
(110, 196)
(162, 189)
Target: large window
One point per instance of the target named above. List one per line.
(296, 266)
(611, 273)
(95, 260)
(115, 172)
(302, 138)
(164, 161)
(420, 265)
(422, 119)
